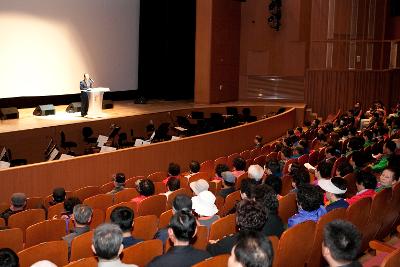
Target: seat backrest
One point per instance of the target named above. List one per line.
(159, 188)
(142, 253)
(109, 210)
(260, 160)
(4, 206)
(107, 187)
(215, 186)
(315, 259)
(208, 166)
(97, 218)
(271, 155)
(313, 158)
(303, 159)
(130, 183)
(351, 185)
(255, 152)
(101, 201)
(153, 205)
(322, 153)
(125, 195)
(266, 149)
(274, 241)
(26, 218)
(86, 262)
(81, 246)
(239, 180)
(287, 164)
(338, 161)
(2, 222)
(54, 251)
(217, 261)
(11, 238)
(358, 212)
(294, 245)
(286, 184)
(145, 227)
(50, 230)
(181, 191)
(220, 160)
(34, 203)
(157, 176)
(392, 213)
(223, 227)
(201, 239)
(392, 260)
(55, 210)
(165, 217)
(231, 158)
(200, 175)
(245, 154)
(230, 202)
(287, 207)
(85, 192)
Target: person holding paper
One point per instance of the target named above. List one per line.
(85, 85)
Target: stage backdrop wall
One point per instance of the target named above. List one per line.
(47, 45)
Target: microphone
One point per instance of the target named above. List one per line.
(91, 80)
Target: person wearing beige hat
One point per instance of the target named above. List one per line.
(199, 186)
(18, 203)
(204, 206)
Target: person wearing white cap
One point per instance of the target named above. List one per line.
(204, 206)
(256, 173)
(335, 189)
(199, 186)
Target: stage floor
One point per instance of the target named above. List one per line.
(28, 121)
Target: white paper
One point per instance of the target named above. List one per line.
(3, 152)
(53, 154)
(65, 156)
(107, 149)
(152, 135)
(101, 140)
(309, 166)
(146, 143)
(180, 129)
(4, 165)
(175, 138)
(139, 142)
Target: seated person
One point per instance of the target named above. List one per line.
(204, 206)
(388, 178)
(368, 136)
(366, 184)
(323, 170)
(181, 202)
(18, 204)
(123, 217)
(258, 141)
(66, 215)
(309, 201)
(182, 228)
(119, 183)
(219, 169)
(228, 184)
(174, 170)
(173, 184)
(343, 169)
(107, 245)
(300, 177)
(255, 172)
(341, 244)
(266, 196)
(389, 149)
(298, 151)
(273, 167)
(286, 154)
(82, 218)
(239, 166)
(330, 154)
(145, 188)
(58, 195)
(358, 159)
(8, 258)
(250, 216)
(199, 186)
(335, 192)
(194, 167)
(246, 189)
(276, 184)
(252, 249)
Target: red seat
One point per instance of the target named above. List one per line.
(157, 176)
(217, 261)
(109, 210)
(54, 251)
(101, 201)
(81, 246)
(223, 227)
(11, 238)
(26, 218)
(145, 227)
(313, 158)
(125, 195)
(230, 202)
(287, 207)
(142, 253)
(231, 158)
(85, 192)
(153, 205)
(50, 230)
(208, 166)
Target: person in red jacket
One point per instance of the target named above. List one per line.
(366, 184)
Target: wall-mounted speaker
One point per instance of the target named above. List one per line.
(44, 110)
(9, 113)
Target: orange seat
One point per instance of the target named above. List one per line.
(171, 197)
(145, 227)
(101, 201)
(230, 202)
(313, 158)
(266, 149)
(294, 246)
(50, 230)
(231, 158)
(159, 188)
(54, 251)
(4, 206)
(201, 239)
(81, 246)
(215, 186)
(217, 261)
(2, 222)
(351, 185)
(200, 175)
(49, 198)
(245, 154)
(97, 218)
(260, 160)
(11, 238)
(303, 159)
(287, 207)
(86, 262)
(55, 210)
(274, 241)
(131, 182)
(392, 260)
(315, 258)
(125, 195)
(286, 184)
(223, 227)
(157, 176)
(337, 163)
(220, 160)
(208, 166)
(358, 213)
(107, 187)
(239, 180)
(85, 192)
(249, 162)
(153, 205)
(26, 218)
(271, 155)
(142, 253)
(287, 164)
(122, 204)
(165, 217)
(392, 213)
(255, 152)
(34, 203)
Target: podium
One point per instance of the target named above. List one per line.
(95, 96)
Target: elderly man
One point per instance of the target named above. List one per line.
(107, 245)
(18, 203)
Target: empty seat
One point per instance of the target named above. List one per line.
(11, 238)
(201, 239)
(34, 203)
(157, 176)
(220, 160)
(303, 159)
(230, 202)
(131, 182)
(245, 154)
(260, 160)
(358, 213)
(165, 217)
(286, 184)
(208, 166)
(105, 188)
(55, 211)
(81, 246)
(125, 195)
(97, 218)
(142, 253)
(231, 158)
(223, 227)
(26, 218)
(153, 205)
(271, 155)
(145, 227)
(85, 192)
(50, 230)
(54, 251)
(101, 201)
(217, 261)
(266, 149)
(255, 152)
(159, 188)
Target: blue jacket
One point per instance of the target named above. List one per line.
(303, 216)
(341, 203)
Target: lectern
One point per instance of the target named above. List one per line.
(95, 96)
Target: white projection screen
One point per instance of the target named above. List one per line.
(47, 45)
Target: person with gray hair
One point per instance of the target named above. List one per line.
(107, 245)
(82, 215)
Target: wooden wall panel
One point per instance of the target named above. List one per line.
(40, 179)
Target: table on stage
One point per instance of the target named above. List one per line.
(95, 96)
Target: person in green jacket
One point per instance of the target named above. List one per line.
(389, 149)
(388, 178)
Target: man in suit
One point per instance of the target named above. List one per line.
(84, 85)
